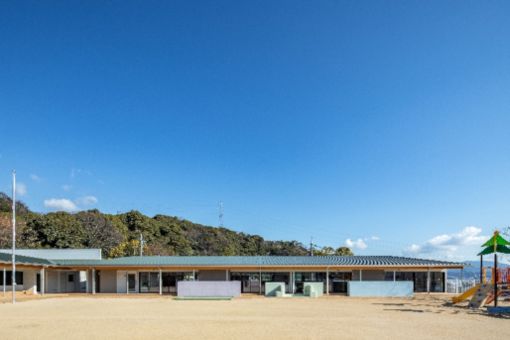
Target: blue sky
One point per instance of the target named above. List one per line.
(381, 124)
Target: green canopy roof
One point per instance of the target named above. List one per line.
(496, 239)
(499, 249)
(496, 244)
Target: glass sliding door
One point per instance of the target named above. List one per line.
(170, 280)
(250, 282)
(301, 277)
(338, 282)
(149, 282)
(131, 283)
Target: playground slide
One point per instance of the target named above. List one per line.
(481, 295)
(466, 295)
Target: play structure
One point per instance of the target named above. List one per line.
(487, 292)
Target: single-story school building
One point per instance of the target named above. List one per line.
(41, 271)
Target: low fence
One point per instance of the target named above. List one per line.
(209, 288)
(458, 286)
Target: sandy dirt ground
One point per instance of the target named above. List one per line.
(334, 317)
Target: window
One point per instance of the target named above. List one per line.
(70, 278)
(8, 278)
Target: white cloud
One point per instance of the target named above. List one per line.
(86, 200)
(448, 244)
(21, 189)
(67, 187)
(35, 178)
(375, 238)
(60, 204)
(76, 171)
(356, 244)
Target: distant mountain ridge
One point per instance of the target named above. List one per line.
(119, 234)
(472, 269)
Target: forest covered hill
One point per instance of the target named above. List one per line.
(119, 234)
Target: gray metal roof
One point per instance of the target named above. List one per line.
(61, 254)
(264, 261)
(20, 259)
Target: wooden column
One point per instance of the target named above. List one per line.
(127, 282)
(260, 280)
(327, 281)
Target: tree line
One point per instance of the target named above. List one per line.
(119, 234)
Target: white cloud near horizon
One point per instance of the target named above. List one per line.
(356, 244)
(448, 244)
(60, 204)
(86, 200)
(65, 204)
(21, 189)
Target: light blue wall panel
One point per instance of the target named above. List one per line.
(317, 287)
(380, 288)
(271, 288)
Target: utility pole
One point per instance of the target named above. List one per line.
(141, 244)
(220, 214)
(13, 274)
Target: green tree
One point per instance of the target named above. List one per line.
(344, 251)
(56, 230)
(99, 231)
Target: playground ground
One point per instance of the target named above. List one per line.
(334, 317)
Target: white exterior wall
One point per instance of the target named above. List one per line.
(122, 281)
(57, 281)
(108, 281)
(29, 281)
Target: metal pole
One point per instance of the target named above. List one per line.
(360, 275)
(160, 282)
(495, 280)
(481, 269)
(13, 276)
(87, 281)
(43, 283)
(394, 276)
(127, 282)
(428, 281)
(93, 281)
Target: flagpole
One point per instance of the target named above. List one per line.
(13, 275)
